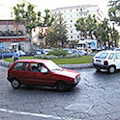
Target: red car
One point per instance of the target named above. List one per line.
(43, 73)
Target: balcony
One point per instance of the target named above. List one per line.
(11, 33)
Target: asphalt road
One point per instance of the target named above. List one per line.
(96, 97)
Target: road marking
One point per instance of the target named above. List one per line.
(30, 114)
(35, 114)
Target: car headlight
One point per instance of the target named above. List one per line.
(77, 79)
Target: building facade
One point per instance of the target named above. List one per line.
(13, 36)
(71, 14)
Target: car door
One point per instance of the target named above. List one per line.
(117, 61)
(21, 71)
(38, 77)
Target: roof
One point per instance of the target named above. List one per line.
(33, 60)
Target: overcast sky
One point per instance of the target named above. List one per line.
(52, 4)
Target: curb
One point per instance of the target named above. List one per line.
(77, 66)
(5, 64)
(72, 66)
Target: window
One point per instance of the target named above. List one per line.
(101, 55)
(22, 66)
(117, 55)
(71, 21)
(76, 9)
(71, 31)
(34, 67)
(71, 36)
(38, 67)
(111, 56)
(70, 10)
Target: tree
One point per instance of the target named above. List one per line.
(57, 33)
(86, 26)
(114, 11)
(51, 37)
(82, 27)
(27, 16)
(91, 24)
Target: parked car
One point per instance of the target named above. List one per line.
(6, 54)
(82, 52)
(29, 72)
(21, 53)
(117, 49)
(109, 60)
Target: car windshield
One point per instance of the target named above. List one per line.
(101, 55)
(52, 66)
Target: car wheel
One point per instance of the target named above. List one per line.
(111, 69)
(15, 83)
(61, 86)
(98, 70)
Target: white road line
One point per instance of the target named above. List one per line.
(30, 114)
(36, 114)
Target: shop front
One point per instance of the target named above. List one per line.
(15, 42)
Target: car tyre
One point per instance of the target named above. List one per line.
(61, 86)
(15, 83)
(111, 69)
(98, 70)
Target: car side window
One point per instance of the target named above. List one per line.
(117, 55)
(22, 66)
(38, 67)
(34, 67)
(111, 56)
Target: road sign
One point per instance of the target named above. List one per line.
(89, 50)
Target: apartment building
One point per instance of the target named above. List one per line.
(72, 13)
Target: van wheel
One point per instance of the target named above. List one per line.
(111, 69)
(15, 83)
(61, 86)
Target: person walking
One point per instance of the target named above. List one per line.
(15, 55)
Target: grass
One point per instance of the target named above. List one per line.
(81, 60)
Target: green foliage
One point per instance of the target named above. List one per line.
(114, 11)
(86, 26)
(27, 16)
(79, 60)
(100, 31)
(58, 52)
(57, 33)
(56, 57)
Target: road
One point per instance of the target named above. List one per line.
(96, 97)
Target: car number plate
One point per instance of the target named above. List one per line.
(98, 60)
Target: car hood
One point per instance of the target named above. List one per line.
(67, 73)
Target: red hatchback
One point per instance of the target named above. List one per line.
(42, 73)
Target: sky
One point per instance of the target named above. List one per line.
(52, 4)
(41, 5)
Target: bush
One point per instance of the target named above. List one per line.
(56, 57)
(58, 52)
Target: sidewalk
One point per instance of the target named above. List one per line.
(73, 66)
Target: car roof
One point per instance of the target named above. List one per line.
(110, 51)
(33, 60)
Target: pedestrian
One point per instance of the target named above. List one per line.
(15, 55)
